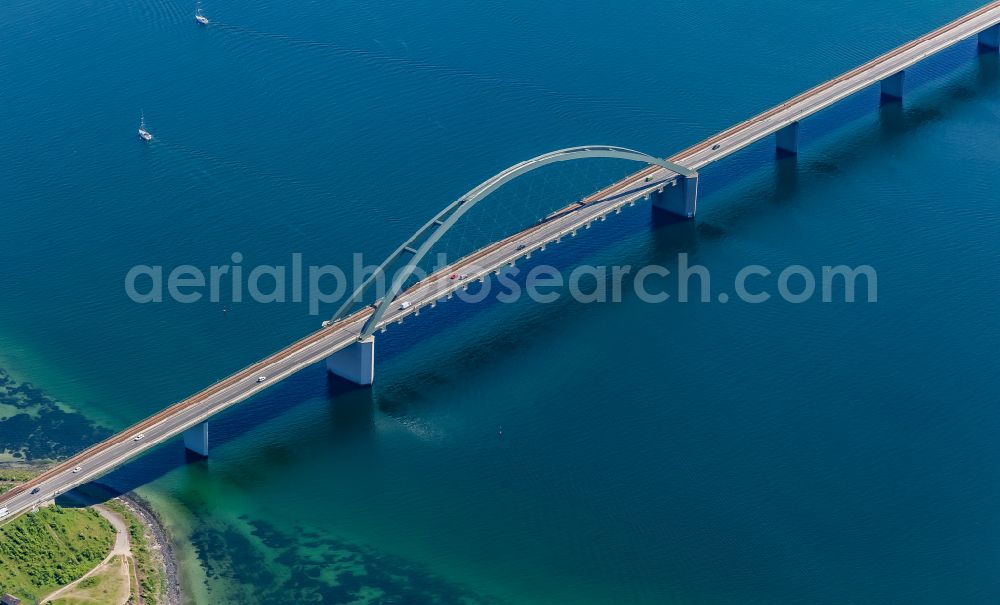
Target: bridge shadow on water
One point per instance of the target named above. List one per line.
(844, 136)
(667, 237)
(351, 410)
(344, 413)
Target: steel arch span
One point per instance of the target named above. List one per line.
(423, 240)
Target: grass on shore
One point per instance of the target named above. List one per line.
(42, 551)
(110, 585)
(23, 581)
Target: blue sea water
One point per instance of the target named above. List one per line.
(678, 453)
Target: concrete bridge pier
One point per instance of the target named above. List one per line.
(680, 197)
(990, 38)
(196, 439)
(892, 87)
(355, 363)
(786, 140)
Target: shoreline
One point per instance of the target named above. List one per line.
(144, 511)
(158, 535)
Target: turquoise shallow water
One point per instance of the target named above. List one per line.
(699, 453)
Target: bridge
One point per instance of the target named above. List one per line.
(347, 341)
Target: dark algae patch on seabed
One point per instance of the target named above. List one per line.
(35, 427)
(260, 563)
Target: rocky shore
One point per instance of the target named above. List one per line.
(159, 543)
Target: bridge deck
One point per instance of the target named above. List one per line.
(170, 422)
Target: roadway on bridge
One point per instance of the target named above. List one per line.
(102, 457)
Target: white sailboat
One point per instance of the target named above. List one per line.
(200, 18)
(143, 133)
